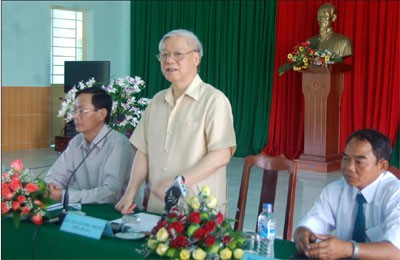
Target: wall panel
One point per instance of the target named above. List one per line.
(25, 116)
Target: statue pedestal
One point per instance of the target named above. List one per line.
(322, 89)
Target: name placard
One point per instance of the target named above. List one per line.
(86, 226)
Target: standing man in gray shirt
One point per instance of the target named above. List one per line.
(103, 175)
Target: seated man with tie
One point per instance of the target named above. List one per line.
(363, 207)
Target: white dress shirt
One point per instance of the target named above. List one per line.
(104, 175)
(336, 208)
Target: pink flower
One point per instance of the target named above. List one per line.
(15, 205)
(21, 198)
(31, 187)
(37, 219)
(4, 208)
(6, 193)
(25, 210)
(4, 186)
(15, 184)
(15, 175)
(17, 165)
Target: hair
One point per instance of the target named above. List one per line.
(191, 37)
(100, 99)
(380, 143)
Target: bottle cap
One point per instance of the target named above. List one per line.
(267, 207)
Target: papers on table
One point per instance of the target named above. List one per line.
(143, 222)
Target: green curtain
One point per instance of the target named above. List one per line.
(238, 38)
(395, 161)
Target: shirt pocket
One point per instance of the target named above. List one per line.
(188, 133)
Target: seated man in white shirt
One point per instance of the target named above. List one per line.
(364, 167)
(104, 174)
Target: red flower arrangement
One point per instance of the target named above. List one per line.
(22, 196)
(196, 229)
(303, 55)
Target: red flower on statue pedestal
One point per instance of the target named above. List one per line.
(303, 56)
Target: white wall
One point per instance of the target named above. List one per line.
(26, 38)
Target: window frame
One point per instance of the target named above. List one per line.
(52, 45)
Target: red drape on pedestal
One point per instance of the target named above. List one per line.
(371, 97)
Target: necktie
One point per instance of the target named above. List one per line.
(359, 224)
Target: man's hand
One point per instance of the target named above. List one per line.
(303, 237)
(126, 204)
(329, 247)
(160, 188)
(55, 192)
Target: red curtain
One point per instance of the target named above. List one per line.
(371, 98)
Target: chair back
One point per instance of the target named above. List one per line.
(395, 171)
(271, 166)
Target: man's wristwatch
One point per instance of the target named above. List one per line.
(355, 249)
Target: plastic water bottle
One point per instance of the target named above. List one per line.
(266, 232)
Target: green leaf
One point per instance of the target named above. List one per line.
(285, 67)
(192, 228)
(17, 219)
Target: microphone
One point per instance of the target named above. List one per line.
(66, 195)
(173, 193)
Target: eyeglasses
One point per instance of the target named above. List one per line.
(83, 111)
(176, 56)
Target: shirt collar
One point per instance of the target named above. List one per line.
(103, 131)
(192, 90)
(369, 191)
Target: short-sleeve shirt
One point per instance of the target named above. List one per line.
(176, 137)
(336, 209)
(103, 176)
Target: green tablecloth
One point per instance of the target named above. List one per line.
(51, 243)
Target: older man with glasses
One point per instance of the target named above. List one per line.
(187, 130)
(97, 162)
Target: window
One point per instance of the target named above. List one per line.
(67, 40)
